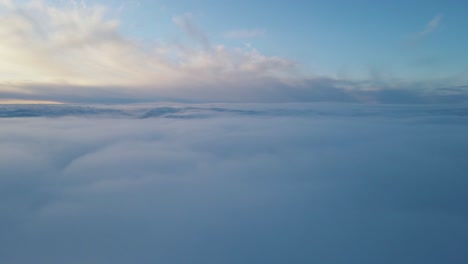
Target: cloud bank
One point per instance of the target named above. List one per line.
(386, 184)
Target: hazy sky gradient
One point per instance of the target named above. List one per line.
(73, 51)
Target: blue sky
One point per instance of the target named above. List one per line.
(251, 49)
(329, 37)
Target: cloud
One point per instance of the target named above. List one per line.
(80, 46)
(381, 184)
(76, 53)
(16, 101)
(185, 23)
(244, 33)
(430, 27)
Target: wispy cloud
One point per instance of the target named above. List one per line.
(191, 29)
(244, 33)
(431, 26)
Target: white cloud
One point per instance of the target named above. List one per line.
(431, 26)
(79, 45)
(342, 184)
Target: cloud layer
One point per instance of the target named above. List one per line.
(388, 186)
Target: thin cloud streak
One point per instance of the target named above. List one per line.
(191, 29)
(245, 33)
(431, 26)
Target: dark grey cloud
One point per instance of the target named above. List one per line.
(286, 183)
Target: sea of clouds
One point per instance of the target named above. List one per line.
(224, 183)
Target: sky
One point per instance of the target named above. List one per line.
(233, 51)
(233, 132)
(329, 36)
